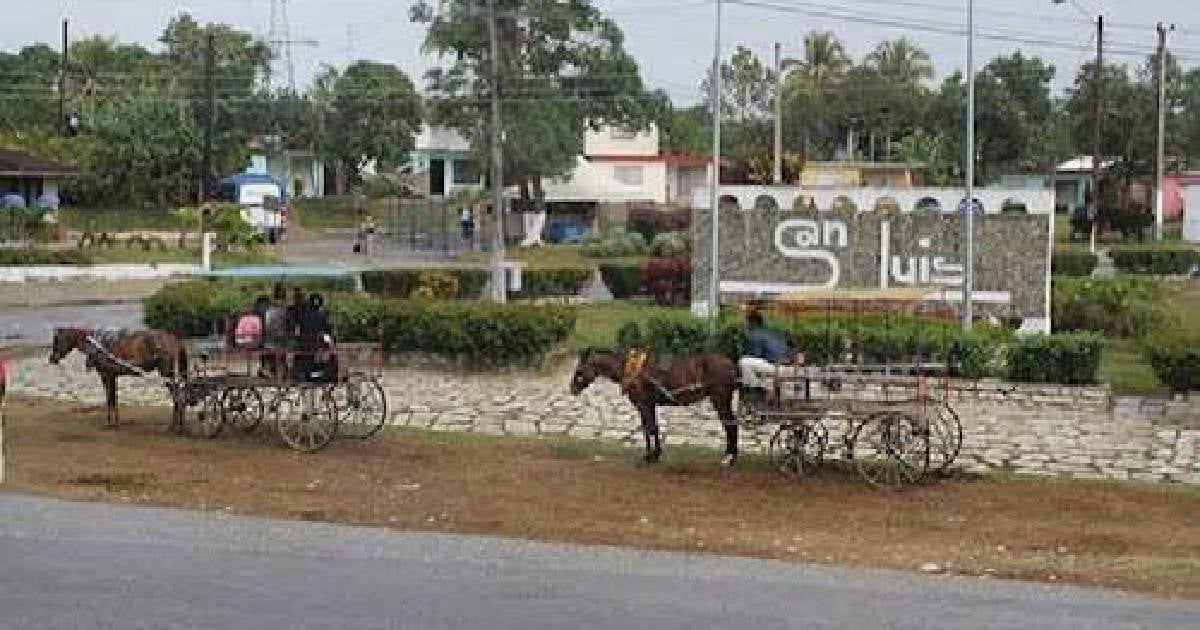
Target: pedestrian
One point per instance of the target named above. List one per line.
(466, 222)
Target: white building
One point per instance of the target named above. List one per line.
(443, 164)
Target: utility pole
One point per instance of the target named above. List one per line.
(499, 284)
(968, 219)
(714, 291)
(1097, 130)
(778, 172)
(62, 83)
(1162, 129)
(210, 88)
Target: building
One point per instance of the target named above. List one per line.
(855, 173)
(301, 169)
(31, 177)
(442, 164)
(626, 166)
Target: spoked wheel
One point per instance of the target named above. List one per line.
(307, 418)
(891, 448)
(361, 408)
(797, 450)
(243, 407)
(203, 415)
(751, 402)
(946, 436)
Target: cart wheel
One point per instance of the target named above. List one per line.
(307, 419)
(891, 448)
(797, 450)
(204, 418)
(362, 408)
(946, 437)
(243, 408)
(750, 404)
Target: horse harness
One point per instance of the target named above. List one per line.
(634, 373)
(101, 348)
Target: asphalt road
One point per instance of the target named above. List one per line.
(34, 325)
(69, 565)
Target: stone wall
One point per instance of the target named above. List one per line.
(1077, 432)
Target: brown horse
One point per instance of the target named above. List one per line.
(652, 382)
(132, 354)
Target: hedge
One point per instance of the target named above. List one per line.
(1120, 307)
(1175, 359)
(481, 333)
(621, 279)
(1071, 263)
(1155, 261)
(403, 283)
(553, 282)
(43, 257)
(1070, 359)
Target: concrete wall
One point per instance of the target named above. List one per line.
(609, 141)
(865, 199)
(597, 180)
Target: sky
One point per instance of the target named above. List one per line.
(671, 39)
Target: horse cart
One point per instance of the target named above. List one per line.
(879, 399)
(309, 398)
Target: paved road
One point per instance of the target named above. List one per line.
(34, 326)
(69, 565)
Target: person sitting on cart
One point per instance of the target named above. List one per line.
(315, 341)
(764, 350)
(245, 331)
(277, 332)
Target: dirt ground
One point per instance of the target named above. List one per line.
(1128, 536)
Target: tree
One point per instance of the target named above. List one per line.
(563, 68)
(372, 112)
(1013, 108)
(746, 87)
(809, 89)
(933, 154)
(901, 61)
(686, 130)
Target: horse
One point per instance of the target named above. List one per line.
(132, 354)
(652, 382)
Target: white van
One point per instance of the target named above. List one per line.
(263, 202)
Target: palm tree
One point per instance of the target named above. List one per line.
(901, 61)
(811, 82)
(824, 62)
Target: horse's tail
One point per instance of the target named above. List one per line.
(181, 360)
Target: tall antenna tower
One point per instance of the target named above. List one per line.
(280, 39)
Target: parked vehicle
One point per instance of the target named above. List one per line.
(263, 200)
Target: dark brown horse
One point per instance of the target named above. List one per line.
(132, 354)
(652, 382)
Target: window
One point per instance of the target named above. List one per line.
(628, 175)
(466, 172)
(622, 134)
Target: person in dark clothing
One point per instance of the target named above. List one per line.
(316, 339)
(276, 333)
(764, 350)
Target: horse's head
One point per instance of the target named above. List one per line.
(65, 340)
(586, 371)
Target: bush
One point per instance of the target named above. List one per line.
(650, 222)
(1123, 307)
(615, 244)
(1071, 359)
(1175, 358)
(403, 283)
(621, 279)
(670, 244)
(481, 333)
(435, 285)
(43, 257)
(553, 282)
(1071, 263)
(1155, 261)
(669, 280)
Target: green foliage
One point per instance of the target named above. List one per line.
(1155, 260)
(43, 257)
(1073, 263)
(615, 243)
(372, 112)
(670, 244)
(1175, 357)
(1071, 359)
(482, 333)
(1123, 307)
(403, 283)
(436, 285)
(622, 279)
(553, 282)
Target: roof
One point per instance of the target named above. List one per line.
(21, 164)
(675, 159)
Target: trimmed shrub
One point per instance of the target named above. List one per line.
(669, 280)
(615, 244)
(1072, 263)
(553, 282)
(650, 222)
(482, 333)
(1155, 261)
(621, 279)
(1122, 307)
(43, 257)
(435, 285)
(403, 283)
(1071, 359)
(1175, 358)
(670, 244)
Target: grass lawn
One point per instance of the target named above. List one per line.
(1123, 366)
(596, 325)
(117, 220)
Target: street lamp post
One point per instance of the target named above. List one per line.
(714, 291)
(968, 208)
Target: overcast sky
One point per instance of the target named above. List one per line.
(672, 39)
